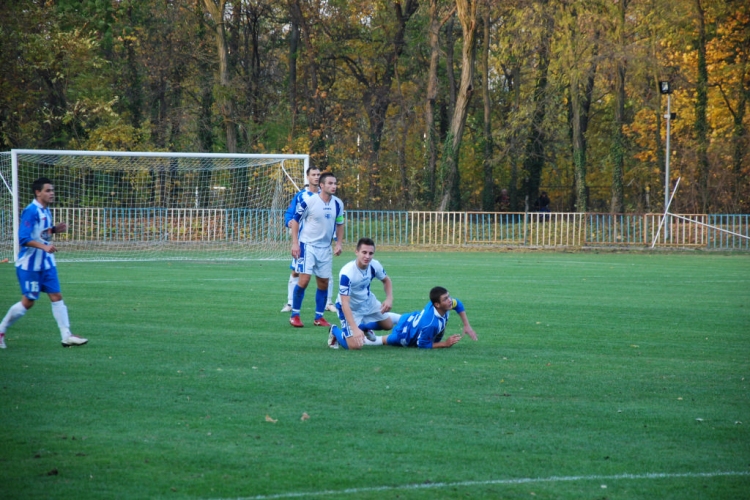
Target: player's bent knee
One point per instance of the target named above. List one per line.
(355, 343)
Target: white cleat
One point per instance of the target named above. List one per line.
(73, 340)
(331, 307)
(287, 308)
(2, 341)
(332, 342)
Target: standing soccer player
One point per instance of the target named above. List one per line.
(35, 267)
(359, 310)
(424, 329)
(311, 188)
(313, 227)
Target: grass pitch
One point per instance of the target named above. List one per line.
(595, 376)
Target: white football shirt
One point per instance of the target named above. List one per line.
(318, 220)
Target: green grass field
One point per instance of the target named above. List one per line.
(610, 375)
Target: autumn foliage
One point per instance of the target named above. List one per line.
(414, 104)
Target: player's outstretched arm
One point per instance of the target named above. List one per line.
(468, 330)
(453, 339)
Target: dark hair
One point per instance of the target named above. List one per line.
(324, 176)
(38, 185)
(312, 167)
(365, 241)
(436, 293)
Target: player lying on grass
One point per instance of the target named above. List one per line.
(359, 310)
(424, 329)
(35, 267)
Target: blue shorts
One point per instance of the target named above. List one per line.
(33, 282)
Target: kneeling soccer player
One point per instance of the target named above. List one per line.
(359, 310)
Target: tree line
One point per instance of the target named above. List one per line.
(414, 104)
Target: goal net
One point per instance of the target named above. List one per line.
(155, 206)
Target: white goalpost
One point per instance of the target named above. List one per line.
(155, 206)
(663, 220)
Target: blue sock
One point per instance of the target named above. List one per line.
(321, 297)
(299, 295)
(372, 325)
(339, 337)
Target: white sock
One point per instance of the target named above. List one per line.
(290, 288)
(330, 291)
(395, 317)
(378, 341)
(15, 312)
(60, 312)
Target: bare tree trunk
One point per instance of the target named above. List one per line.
(450, 44)
(216, 11)
(580, 104)
(618, 146)
(701, 107)
(740, 203)
(317, 114)
(514, 140)
(293, 53)
(533, 162)
(429, 108)
(467, 14)
(488, 191)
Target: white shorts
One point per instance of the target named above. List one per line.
(316, 261)
(362, 315)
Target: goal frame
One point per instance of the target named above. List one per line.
(14, 187)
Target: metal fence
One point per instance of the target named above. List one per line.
(403, 229)
(550, 230)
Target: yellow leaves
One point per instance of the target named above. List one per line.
(305, 416)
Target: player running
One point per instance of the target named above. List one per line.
(359, 310)
(313, 227)
(35, 268)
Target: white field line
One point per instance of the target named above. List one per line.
(528, 480)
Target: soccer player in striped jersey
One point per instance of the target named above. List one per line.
(35, 267)
(313, 227)
(311, 188)
(359, 310)
(424, 329)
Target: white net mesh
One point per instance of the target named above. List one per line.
(158, 206)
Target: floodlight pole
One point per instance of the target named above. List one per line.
(666, 88)
(668, 116)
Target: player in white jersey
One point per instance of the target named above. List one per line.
(313, 227)
(35, 267)
(359, 310)
(311, 188)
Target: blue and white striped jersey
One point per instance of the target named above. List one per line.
(318, 220)
(36, 222)
(355, 283)
(290, 211)
(423, 328)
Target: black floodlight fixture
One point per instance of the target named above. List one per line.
(665, 88)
